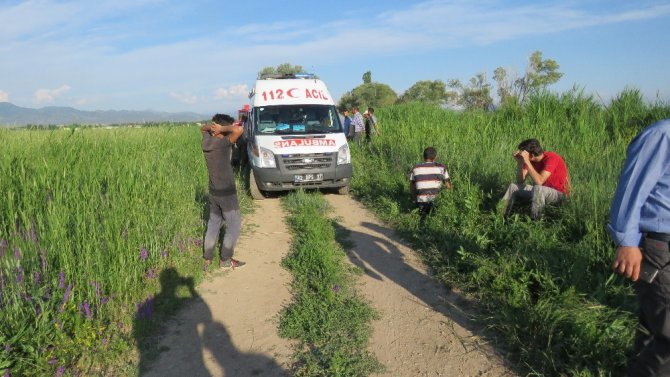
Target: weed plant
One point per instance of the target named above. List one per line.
(546, 288)
(89, 220)
(327, 317)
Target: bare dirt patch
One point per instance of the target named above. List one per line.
(230, 329)
(422, 330)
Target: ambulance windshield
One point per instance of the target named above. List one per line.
(296, 119)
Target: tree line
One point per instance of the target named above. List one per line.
(475, 94)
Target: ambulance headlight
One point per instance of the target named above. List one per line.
(343, 155)
(267, 158)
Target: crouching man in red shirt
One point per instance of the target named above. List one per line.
(548, 173)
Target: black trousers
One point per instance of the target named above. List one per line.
(652, 341)
(425, 209)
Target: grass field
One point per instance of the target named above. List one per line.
(546, 288)
(88, 220)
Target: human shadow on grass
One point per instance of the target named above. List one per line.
(380, 258)
(194, 336)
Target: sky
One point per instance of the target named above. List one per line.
(204, 55)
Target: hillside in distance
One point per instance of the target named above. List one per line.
(13, 116)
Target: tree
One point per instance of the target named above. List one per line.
(539, 75)
(434, 92)
(282, 69)
(367, 77)
(368, 94)
(476, 95)
(504, 84)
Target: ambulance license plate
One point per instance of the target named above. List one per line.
(308, 177)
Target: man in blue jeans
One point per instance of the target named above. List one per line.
(217, 143)
(640, 227)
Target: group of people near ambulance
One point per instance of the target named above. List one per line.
(639, 217)
(356, 125)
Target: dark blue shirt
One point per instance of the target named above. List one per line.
(642, 199)
(347, 123)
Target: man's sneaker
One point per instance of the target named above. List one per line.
(231, 263)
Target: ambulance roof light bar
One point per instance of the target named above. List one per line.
(279, 76)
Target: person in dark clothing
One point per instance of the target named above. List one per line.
(346, 125)
(239, 152)
(217, 143)
(371, 125)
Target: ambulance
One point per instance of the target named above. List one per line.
(294, 137)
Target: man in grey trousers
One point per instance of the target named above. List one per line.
(217, 142)
(548, 172)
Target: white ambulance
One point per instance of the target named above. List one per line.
(294, 137)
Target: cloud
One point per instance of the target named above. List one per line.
(31, 17)
(117, 53)
(50, 95)
(83, 101)
(184, 97)
(234, 92)
(278, 31)
(4, 96)
(45, 19)
(464, 22)
(430, 25)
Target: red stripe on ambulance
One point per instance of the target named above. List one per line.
(281, 94)
(305, 143)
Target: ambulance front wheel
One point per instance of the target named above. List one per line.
(344, 190)
(256, 193)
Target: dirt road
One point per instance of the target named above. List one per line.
(231, 329)
(421, 332)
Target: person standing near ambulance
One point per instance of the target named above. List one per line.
(359, 125)
(217, 143)
(371, 125)
(346, 124)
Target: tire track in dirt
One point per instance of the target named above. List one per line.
(230, 329)
(422, 331)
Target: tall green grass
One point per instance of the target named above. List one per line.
(546, 287)
(328, 318)
(88, 220)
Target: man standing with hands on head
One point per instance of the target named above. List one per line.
(217, 142)
(640, 227)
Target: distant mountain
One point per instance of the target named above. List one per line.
(12, 115)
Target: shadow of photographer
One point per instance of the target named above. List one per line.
(191, 343)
